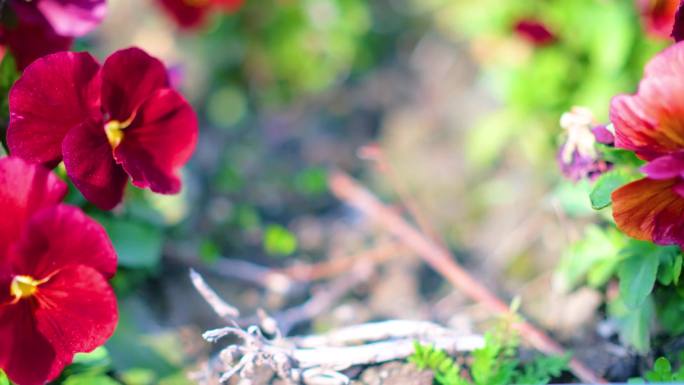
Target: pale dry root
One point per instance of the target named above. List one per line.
(316, 359)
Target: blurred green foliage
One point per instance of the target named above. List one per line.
(599, 52)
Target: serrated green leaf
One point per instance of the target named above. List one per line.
(600, 195)
(661, 372)
(595, 257)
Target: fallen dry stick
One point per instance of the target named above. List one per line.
(323, 299)
(348, 190)
(335, 266)
(318, 359)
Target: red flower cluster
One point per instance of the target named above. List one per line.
(31, 29)
(108, 123)
(651, 123)
(193, 13)
(534, 31)
(55, 300)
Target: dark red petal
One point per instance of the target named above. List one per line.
(650, 210)
(129, 77)
(186, 16)
(77, 311)
(61, 236)
(29, 41)
(55, 93)
(90, 164)
(73, 17)
(678, 28)
(160, 140)
(534, 31)
(27, 357)
(24, 189)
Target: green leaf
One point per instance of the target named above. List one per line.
(677, 269)
(595, 256)
(8, 75)
(137, 244)
(90, 380)
(637, 277)
(634, 324)
(600, 195)
(279, 241)
(619, 156)
(3, 378)
(662, 371)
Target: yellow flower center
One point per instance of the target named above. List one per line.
(23, 286)
(115, 131)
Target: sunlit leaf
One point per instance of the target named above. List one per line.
(600, 195)
(637, 277)
(279, 241)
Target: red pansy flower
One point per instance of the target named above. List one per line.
(651, 123)
(657, 16)
(55, 300)
(31, 29)
(193, 13)
(534, 31)
(108, 123)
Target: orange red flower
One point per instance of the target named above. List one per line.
(651, 123)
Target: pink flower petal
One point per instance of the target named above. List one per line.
(650, 123)
(90, 165)
(665, 167)
(24, 189)
(55, 94)
(60, 236)
(160, 140)
(129, 77)
(669, 62)
(73, 17)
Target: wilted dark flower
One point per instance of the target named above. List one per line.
(578, 157)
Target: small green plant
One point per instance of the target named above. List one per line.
(493, 364)
(662, 372)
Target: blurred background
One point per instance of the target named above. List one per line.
(453, 105)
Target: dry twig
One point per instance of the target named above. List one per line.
(320, 359)
(348, 190)
(323, 299)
